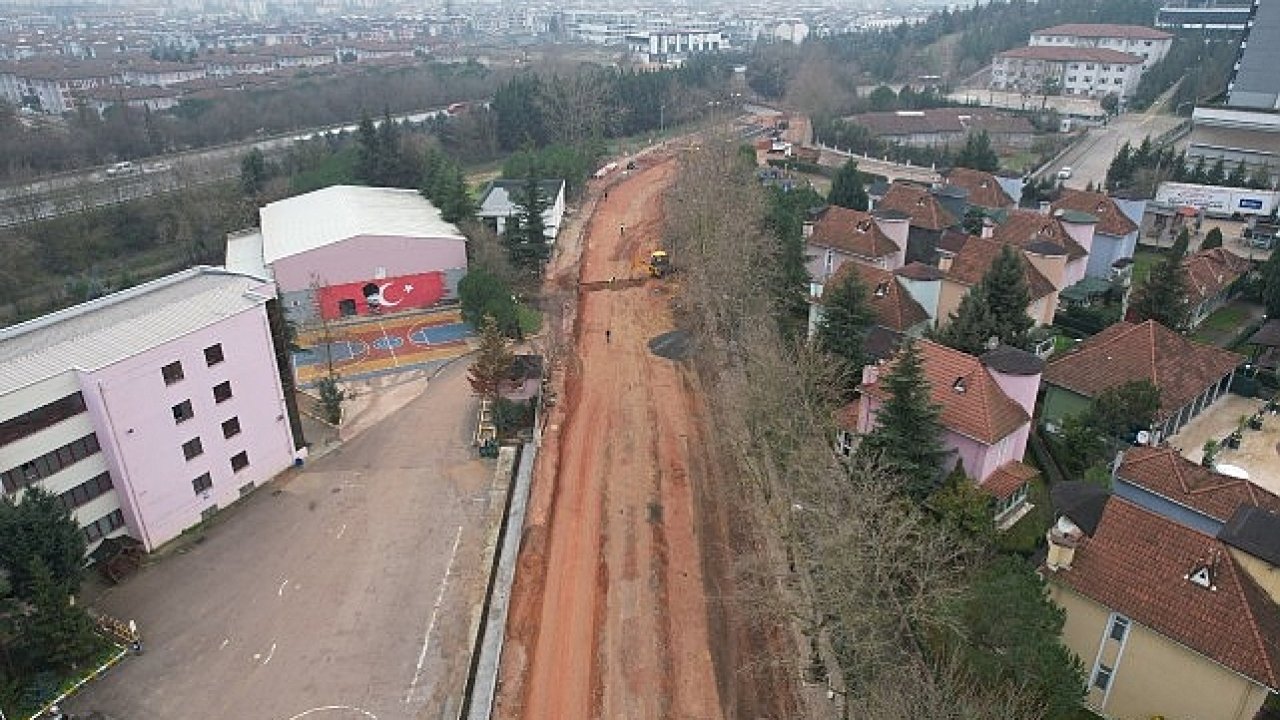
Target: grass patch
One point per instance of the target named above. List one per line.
(45, 686)
(1063, 343)
(1225, 318)
(1143, 260)
(1025, 537)
(530, 320)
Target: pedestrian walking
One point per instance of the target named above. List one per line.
(622, 229)
(606, 194)
(608, 336)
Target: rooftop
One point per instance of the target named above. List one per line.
(984, 189)
(1209, 272)
(972, 403)
(1165, 472)
(952, 120)
(1105, 30)
(1067, 53)
(1111, 220)
(893, 306)
(919, 204)
(323, 217)
(104, 331)
(1026, 227)
(851, 231)
(975, 258)
(1146, 567)
(1126, 352)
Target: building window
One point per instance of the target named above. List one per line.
(201, 484)
(1102, 677)
(104, 525)
(844, 443)
(32, 422)
(49, 463)
(182, 412)
(213, 355)
(1119, 628)
(86, 491)
(231, 428)
(222, 391)
(192, 448)
(172, 372)
(239, 461)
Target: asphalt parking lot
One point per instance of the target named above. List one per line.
(345, 591)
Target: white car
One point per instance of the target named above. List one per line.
(122, 168)
(1064, 173)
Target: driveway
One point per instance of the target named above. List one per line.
(346, 591)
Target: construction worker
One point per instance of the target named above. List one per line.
(622, 229)
(608, 336)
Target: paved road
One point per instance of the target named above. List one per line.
(349, 586)
(1091, 156)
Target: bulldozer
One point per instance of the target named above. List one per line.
(659, 263)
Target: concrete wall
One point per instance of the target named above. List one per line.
(368, 257)
(1152, 675)
(132, 404)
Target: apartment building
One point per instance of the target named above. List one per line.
(1147, 43)
(1067, 70)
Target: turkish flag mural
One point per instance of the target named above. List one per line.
(407, 292)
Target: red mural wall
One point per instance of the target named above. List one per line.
(408, 292)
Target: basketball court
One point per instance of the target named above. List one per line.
(377, 345)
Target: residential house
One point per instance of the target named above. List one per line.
(228, 64)
(1189, 375)
(928, 218)
(1212, 279)
(162, 74)
(56, 87)
(986, 407)
(1093, 72)
(291, 56)
(943, 127)
(924, 284)
(896, 312)
(1115, 235)
(146, 97)
(500, 202)
(965, 270)
(364, 51)
(1161, 480)
(1168, 620)
(984, 189)
(838, 235)
(1067, 231)
(1147, 43)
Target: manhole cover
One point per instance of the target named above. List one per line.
(675, 345)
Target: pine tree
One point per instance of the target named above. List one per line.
(1163, 297)
(1004, 287)
(1270, 272)
(848, 188)
(970, 326)
(1217, 173)
(39, 527)
(1181, 243)
(56, 634)
(1120, 171)
(961, 504)
(525, 232)
(1212, 239)
(1239, 177)
(493, 361)
(842, 331)
(978, 154)
(907, 436)
(1260, 179)
(367, 151)
(973, 220)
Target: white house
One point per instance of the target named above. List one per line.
(500, 200)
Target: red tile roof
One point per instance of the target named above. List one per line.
(980, 410)
(917, 270)
(1066, 53)
(975, 258)
(984, 189)
(1209, 272)
(1181, 368)
(920, 204)
(1027, 227)
(947, 121)
(1165, 472)
(1005, 480)
(852, 231)
(893, 306)
(1110, 219)
(1138, 563)
(1105, 30)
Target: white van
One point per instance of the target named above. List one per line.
(122, 168)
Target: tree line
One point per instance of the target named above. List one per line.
(907, 606)
(1140, 170)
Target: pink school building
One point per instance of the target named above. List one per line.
(146, 410)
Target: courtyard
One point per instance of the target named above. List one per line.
(1259, 451)
(348, 590)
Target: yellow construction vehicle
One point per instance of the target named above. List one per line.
(659, 263)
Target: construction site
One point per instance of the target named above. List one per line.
(623, 602)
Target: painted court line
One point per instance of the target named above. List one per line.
(426, 639)
(270, 654)
(280, 592)
(342, 530)
(390, 348)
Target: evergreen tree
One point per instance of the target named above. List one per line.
(493, 361)
(961, 504)
(40, 528)
(1163, 297)
(483, 294)
(1217, 173)
(787, 210)
(1270, 272)
(970, 326)
(1212, 239)
(848, 189)
(253, 173)
(842, 331)
(1239, 176)
(56, 634)
(525, 232)
(450, 195)
(367, 151)
(973, 220)
(1198, 172)
(1004, 287)
(1120, 171)
(907, 436)
(1181, 243)
(978, 154)
(1260, 179)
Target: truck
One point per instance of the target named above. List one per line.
(1219, 201)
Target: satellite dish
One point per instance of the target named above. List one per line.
(1144, 437)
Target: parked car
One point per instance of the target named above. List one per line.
(122, 168)
(1064, 173)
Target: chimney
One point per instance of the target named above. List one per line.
(944, 261)
(1064, 537)
(1044, 207)
(988, 228)
(808, 228)
(870, 373)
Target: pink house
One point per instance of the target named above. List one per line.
(986, 408)
(839, 235)
(146, 410)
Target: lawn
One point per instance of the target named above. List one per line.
(1229, 317)
(1142, 262)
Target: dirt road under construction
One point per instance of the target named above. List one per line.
(618, 608)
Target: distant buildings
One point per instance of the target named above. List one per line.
(1147, 43)
(673, 47)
